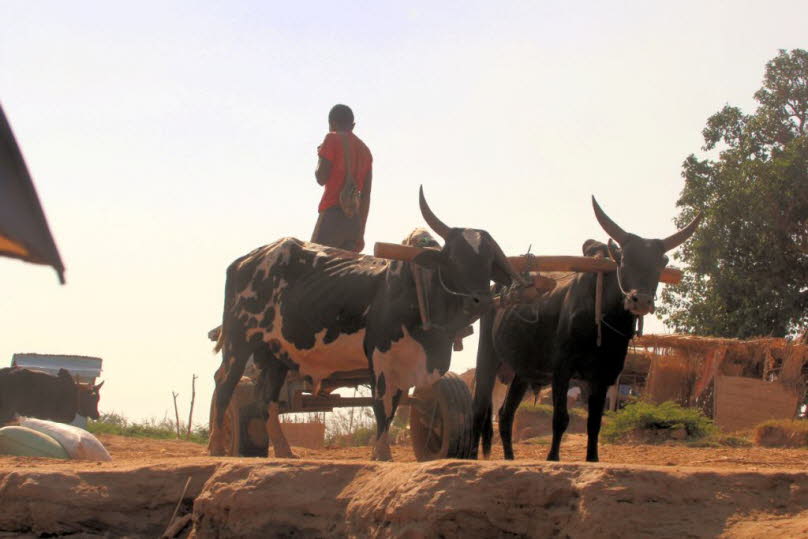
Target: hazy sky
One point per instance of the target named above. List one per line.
(168, 138)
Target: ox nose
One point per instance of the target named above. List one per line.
(639, 303)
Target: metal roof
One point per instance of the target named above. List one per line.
(83, 366)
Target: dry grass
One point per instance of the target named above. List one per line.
(782, 433)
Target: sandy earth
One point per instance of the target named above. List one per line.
(637, 490)
(128, 451)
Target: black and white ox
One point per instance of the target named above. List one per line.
(302, 306)
(556, 339)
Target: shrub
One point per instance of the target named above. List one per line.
(547, 409)
(114, 423)
(782, 433)
(641, 418)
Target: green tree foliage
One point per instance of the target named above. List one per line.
(748, 261)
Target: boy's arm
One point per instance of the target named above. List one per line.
(326, 153)
(323, 171)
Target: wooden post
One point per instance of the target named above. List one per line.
(616, 399)
(176, 414)
(191, 413)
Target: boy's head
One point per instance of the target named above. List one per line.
(340, 118)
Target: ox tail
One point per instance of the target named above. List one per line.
(234, 354)
(217, 336)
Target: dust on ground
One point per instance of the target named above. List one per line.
(128, 451)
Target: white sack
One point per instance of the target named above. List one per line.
(78, 443)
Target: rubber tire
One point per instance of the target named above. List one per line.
(451, 399)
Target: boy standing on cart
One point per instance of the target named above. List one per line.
(344, 168)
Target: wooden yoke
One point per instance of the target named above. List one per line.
(587, 264)
(583, 264)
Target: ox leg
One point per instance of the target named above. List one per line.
(488, 433)
(279, 443)
(593, 422)
(483, 388)
(273, 376)
(215, 441)
(235, 354)
(381, 449)
(561, 416)
(516, 392)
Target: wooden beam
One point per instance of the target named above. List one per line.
(587, 264)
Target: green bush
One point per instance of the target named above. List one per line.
(547, 409)
(642, 417)
(113, 423)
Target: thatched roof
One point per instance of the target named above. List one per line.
(691, 343)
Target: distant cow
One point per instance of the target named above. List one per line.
(302, 306)
(557, 338)
(34, 393)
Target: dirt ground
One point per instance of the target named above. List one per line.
(128, 451)
(636, 490)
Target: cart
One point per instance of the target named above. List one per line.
(440, 415)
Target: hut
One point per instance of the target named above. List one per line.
(739, 383)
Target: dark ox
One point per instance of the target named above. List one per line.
(556, 339)
(34, 393)
(302, 306)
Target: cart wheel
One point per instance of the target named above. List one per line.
(441, 419)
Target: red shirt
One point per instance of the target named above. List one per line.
(332, 149)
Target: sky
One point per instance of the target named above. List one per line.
(166, 139)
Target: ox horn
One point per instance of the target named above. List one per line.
(503, 262)
(99, 385)
(675, 240)
(615, 232)
(431, 219)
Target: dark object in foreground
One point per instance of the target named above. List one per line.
(33, 393)
(24, 231)
(557, 338)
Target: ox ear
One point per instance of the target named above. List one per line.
(430, 258)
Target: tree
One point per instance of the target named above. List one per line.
(748, 261)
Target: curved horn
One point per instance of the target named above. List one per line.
(434, 223)
(505, 264)
(675, 240)
(615, 232)
(99, 385)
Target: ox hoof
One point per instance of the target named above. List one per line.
(382, 455)
(285, 455)
(216, 448)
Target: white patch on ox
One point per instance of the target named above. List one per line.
(403, 366)
(345, 353)
(473, 238)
